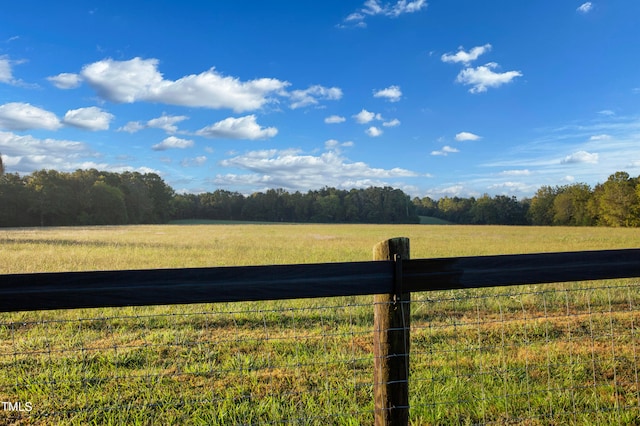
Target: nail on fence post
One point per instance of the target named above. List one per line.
(391, 343)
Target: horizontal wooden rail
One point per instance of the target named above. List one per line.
(65, 290)
(539, 268)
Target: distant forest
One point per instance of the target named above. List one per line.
(92, 197)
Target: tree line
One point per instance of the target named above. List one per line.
(92, 197)
(615, 203)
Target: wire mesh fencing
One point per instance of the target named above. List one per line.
(299, 362)
(546, 354)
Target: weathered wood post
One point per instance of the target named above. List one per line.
(391, 341)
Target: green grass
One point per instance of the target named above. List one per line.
(547, 354)
(429, 220)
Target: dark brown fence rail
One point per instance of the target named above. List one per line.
(67, 290)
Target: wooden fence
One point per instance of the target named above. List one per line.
(392, 277)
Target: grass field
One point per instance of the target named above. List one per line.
(551, 354)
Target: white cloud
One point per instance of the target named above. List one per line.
(238, 128)
(375, 7)
(6, 72)
(446, 150)
(580, 157)
(6, 75)
(292, 170)
(607, 112)
(312, 95)
(483, 77)
(65, 80)
(334, 119)
(24, 116)
(373, 131)
(602, 137)
(336, 145)
(392, 123)
(364, 116)
(391, 93)
(132, 127)
(315, 93)
(172, 142)
(139, 80)
(466, 136)
(164, 122)
(466, 57)
(24, 154)
(585, 7)
(91, 118)
(510, 188)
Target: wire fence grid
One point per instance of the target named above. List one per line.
(545, 354)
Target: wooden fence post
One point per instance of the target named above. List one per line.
(391, 342)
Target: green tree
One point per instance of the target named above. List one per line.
(160, 195)
(616, 201)
(53, 200)
(541, 207)
(107, 205)
(571, 205)
(456, 209)
(484, 211)
(15, 202)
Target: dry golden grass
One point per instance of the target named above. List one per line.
(171, 246)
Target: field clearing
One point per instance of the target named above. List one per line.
(180, 246)
(546, 354)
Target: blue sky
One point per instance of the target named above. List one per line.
(437, 98)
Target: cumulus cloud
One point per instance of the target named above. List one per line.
(364, 116)
(391, 123)
(467, 136)
(24, 154)
(238, 128)
(391, 93)
(139, 80)
(465, 57)
(313, 95)
(580, 157)
(6, 75)
(293, 170)
(483, 77)
(164, 122)
(91, 118)
(6, 72)
(335, 144)
(446, 150)
(172, 142)
(373, 131)
(375, 7)
(334, 119)
(65, 80)
(603, 137)
(585, 7)
(24, 116)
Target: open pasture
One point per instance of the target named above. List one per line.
(546, 354)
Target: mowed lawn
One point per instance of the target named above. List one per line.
(546, 354)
